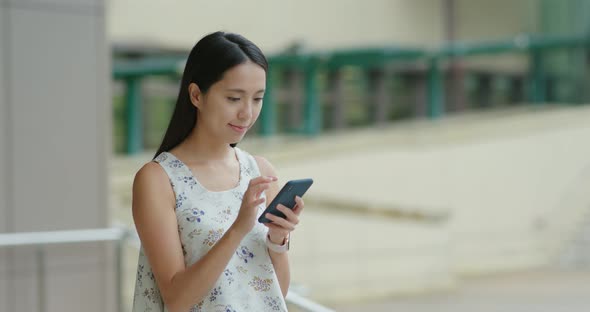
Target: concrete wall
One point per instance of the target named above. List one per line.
(273, 25)
(55, 138)
(320, 24)
(482, 20)
(495, 20)
(326, 25)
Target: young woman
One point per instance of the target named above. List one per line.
(196, 205)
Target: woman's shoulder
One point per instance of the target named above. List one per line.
(151, 188)
(150, 175)
(261, 161)
(264, 165)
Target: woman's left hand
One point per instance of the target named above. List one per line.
(280, 228)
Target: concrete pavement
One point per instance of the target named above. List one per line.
(533, 291)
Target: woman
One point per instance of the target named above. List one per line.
(195, 206)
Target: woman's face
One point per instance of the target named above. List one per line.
(231, 106)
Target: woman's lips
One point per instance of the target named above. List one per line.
(238, 128)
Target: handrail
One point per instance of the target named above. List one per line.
(120, 235)
(305, 303)
(61, 237)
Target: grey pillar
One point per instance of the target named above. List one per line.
(54, 146)
(4, 178)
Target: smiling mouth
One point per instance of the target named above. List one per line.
(238, 128)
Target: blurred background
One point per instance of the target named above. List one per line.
(448, 141)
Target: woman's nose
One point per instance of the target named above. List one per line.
(246, 112)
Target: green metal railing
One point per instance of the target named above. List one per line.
(535, 46)
(429, 64)
(133, 73)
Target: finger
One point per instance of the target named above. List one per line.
(258, 201)
(280, 222)
(291, 216)
(257, 189)
(299, 207)
(261, 188)
(277, 228)
(266, 187)
(261, 179)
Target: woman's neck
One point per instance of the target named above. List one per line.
(202, 147)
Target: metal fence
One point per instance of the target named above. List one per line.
(308, 92)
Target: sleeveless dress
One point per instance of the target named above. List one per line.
(249, 282)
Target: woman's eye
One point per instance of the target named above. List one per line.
(258, 100)
(233, 99)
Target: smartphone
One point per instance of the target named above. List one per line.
(286, 197)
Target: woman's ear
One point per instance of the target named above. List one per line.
(195, 95)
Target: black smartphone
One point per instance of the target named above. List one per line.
(286, 197)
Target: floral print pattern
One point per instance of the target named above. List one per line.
(242, 270)
(244, 253)
(214, 293)
(227, 308)
(267, 268)
(188, 180)
(223, 215)
(193, 214)
(273, 303)
(197, 307)
(260, 284)
(195, 233)
(229, 276)
(180, 199)
(249, 282)
(213, 237)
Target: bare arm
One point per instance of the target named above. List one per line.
(155, 219)
(280, 228)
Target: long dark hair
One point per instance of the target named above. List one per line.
(209, 59)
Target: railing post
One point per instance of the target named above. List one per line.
(294, 80)
(268, 113)
(537, 89)
(313, 111)
(335, 85)
(435, 91)
(379, 96)
(40, 257)
(415, 82)
(134, 119)
(119, 272)
(483, 93)
(516, 89)
(455, 85)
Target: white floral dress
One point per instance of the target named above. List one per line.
(249, 282)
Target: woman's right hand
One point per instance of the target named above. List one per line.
(252, 198)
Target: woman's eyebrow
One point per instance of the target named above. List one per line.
(243, 91)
